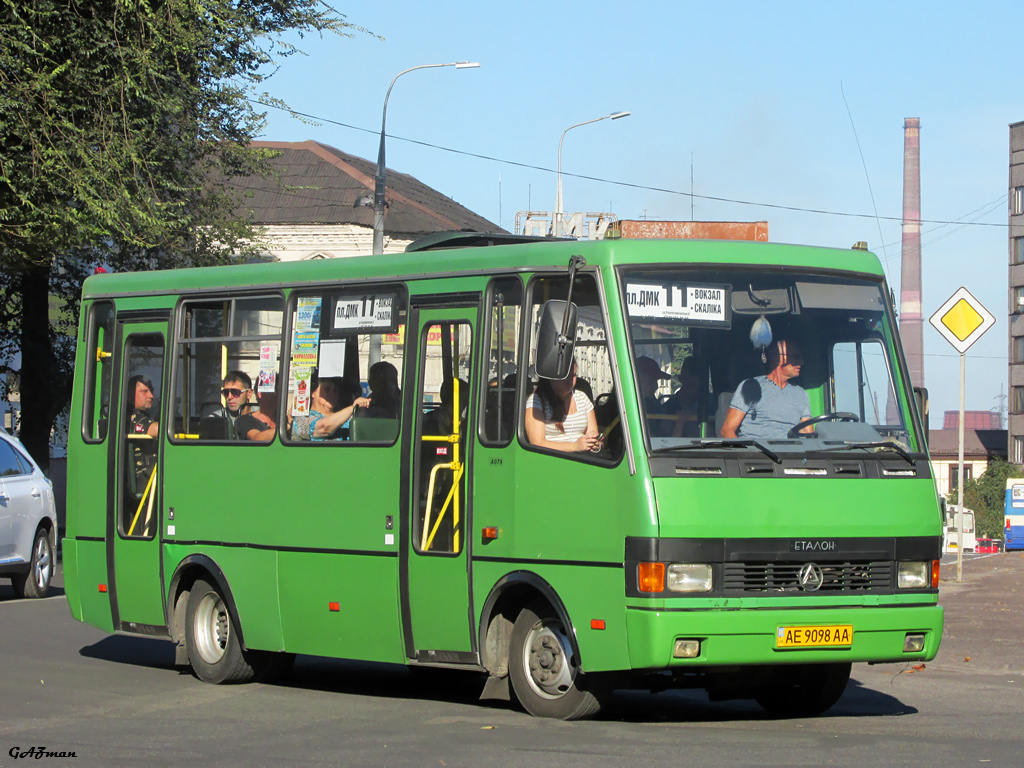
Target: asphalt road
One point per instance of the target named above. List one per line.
(67, 687)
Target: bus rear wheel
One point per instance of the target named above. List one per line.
(544, 669)
(211, 638)
(805, 690)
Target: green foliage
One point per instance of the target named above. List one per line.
(986, 495)
(122, 123)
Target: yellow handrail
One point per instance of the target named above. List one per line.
(142, 501)
(458, 470)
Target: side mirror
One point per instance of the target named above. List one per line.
(921, 395)
(555, 350)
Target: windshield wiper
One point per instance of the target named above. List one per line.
(717, 443)
(882, 444)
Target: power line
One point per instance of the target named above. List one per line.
(626, 184)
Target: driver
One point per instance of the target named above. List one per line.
(768, 406)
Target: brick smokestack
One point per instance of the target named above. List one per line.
(911, 325)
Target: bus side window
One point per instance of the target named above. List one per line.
(593, 361)
(96, 408)
(504, 316)
(225, 344)
(346, 346)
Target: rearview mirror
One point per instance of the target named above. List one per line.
(921, 395)
(555, 350)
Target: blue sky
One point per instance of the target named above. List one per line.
(751, 93)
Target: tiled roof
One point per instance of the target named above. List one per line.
(320, 185)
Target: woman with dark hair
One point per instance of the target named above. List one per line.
(561, 418)
(385, 395)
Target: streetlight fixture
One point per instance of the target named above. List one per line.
(557, 222)
(378, 187)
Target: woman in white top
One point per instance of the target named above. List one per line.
(560, 417)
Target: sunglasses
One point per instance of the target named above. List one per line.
(232, 391)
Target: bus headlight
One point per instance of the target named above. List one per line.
(688, 577)
(914, 575)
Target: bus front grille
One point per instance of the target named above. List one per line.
(761, 577)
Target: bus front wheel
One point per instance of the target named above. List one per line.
(804, 690)
(214, 651)
(545, 671)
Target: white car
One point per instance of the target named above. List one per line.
(28, 522)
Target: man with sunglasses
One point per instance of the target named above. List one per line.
(236, 392)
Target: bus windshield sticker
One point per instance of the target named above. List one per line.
(692, 304)
(365, 313)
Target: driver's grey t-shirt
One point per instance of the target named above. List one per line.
(771, 410)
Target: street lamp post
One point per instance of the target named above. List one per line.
(378, 186)
(557, 221)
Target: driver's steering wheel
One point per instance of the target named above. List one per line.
(839, 416)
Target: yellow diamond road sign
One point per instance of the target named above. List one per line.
(962, 320)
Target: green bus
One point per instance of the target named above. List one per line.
(425, 528)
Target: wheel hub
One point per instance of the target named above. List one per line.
(549, 661)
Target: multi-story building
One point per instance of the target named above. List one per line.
(1015, 422)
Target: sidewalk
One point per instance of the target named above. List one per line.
(984, 615)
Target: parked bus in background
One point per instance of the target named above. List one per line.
(456, 520)
(951, 535)
(1013, 530)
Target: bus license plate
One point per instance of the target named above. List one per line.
(831, 635)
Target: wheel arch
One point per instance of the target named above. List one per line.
(509, 595)
(187, 572)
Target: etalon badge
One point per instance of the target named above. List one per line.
(811, 577)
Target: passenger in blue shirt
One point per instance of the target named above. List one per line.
(767, 407)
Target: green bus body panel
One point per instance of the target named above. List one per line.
(748, 637)
(137, 587)
(365, 589)
(719, 508)
(85, 569)
(440, 604)
(588, 594)
(251, 576)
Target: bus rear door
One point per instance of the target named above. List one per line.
(133, 527)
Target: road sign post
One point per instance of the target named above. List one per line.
(961, 321)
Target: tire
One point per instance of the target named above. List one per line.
(805, 690)
(35, 582)
(545, 671)
(211, 638)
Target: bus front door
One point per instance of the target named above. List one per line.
(133, 527)
(435, 579)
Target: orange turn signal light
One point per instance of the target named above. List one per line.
(597, 623)
(935, 573)
(490, 532)
(651, 577)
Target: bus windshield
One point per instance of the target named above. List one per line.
(769, 361)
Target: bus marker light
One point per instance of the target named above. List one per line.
(334, 606)
(489, 533)
(103, 587)
(686, 649)
(597, 623)
(935, 574)
(651, 577)
(913, 643)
